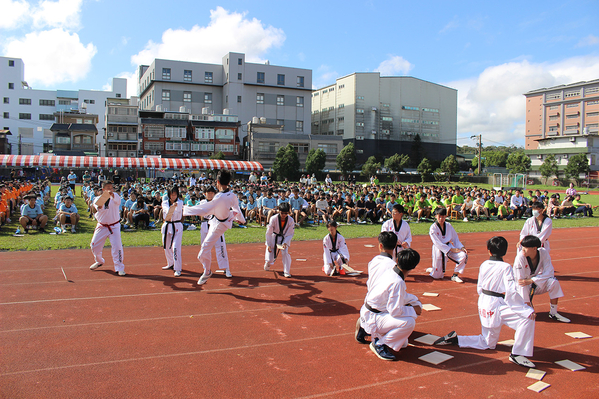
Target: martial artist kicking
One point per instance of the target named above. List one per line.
(539, 225)
(401, 229)
(222, 258)
(279, 233)
(225, 209)
(535, 275)
(389, 313)
(499, 303)
(172, 230)
(446, 245)
(109, 226)
(335, 252)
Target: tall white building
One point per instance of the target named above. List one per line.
(29, 113)
(279, 94)
(382, 115)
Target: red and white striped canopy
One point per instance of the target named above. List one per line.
(57, 161)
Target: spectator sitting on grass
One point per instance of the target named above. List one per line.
(32, 215)
(581, 207)
(139, 213)
(68, 214)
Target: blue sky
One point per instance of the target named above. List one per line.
(492, 52)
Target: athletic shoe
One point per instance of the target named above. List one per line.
(382, 351)
(449, 339)
(42, 230)
(465, 219)
(121, 273)
(73, 230)
(559, 317)
(177, 273)
(228, 273)
(360, 333)
(266, 266)
(521, 361)
(457, 279)
(286, 275)
(95, 265)
(429, 270)
(167, 267)
(204, 278)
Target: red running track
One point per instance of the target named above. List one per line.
(259, 335)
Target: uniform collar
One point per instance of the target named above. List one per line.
(497, 258)
(386, 254)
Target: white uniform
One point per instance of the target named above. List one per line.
(495, 277)
(543, 276)
(532, 227)
(334, 252)
(387, 313)
(403, 233)
(108, 227)
(275, 234)
(443, 242)
(222, 258)
(172, 234)
(225, 209)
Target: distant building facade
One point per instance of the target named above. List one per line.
(383, 115)
(121, 135)
(75, 133)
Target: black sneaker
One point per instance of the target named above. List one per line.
(42, 230)
(361, 334)
(382, 351)
(449, 339)
(559, 317)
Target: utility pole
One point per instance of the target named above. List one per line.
(480, 150)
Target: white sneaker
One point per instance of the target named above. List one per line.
(95, 265)
(559, 317)
(63, 228)
(168, 267)
(122, 273)
(204, 278)
(465, 219)
(457, 279)
(73, 230)
(177, 273)
(266, 266)
(521, 361)
(286, 275)
(429, 270)
(228, 273)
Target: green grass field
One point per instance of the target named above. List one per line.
(253, 234)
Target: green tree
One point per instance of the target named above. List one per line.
(286, 164)
(425, 168)
(316, 161)
(577, 165)
(217, 155)
(346, 159)
(450, 166)
(416, 150)
(549, 168)
(397, 162)
(495, 158)
(518, 162)
(370, 167)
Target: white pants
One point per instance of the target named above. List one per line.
(222, 258)
(391, 331)
(173, 253)
(337, 259)
(441, 261)
(550, 285)
(215, 231)
(101, 233)
(524, 337)
(283, 254)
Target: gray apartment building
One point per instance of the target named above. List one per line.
(382, 115)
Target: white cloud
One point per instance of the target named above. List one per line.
(589, 40)
(394, 65)
(493, 104)
(57, 14)
(52, 56)
(13, 13)
(324, 77)
(227, 31)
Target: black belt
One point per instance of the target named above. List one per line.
(495, 294)
(172, 223)
(373, 310)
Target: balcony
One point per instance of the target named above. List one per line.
(113, 137)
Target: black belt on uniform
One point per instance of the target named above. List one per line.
(491, 293)
(172, 224)
(373, 310)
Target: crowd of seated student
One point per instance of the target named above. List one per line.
(14, 195)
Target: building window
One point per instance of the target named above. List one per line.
(260, 77)
(280, 100)
(341, 119)
(166, 95)
(552, 107)
(207, 98)
(50, 103)
(573, 105)
(6, 100)
(238, 99)
(187, 75)
(299, 101)
(166, 74)
(341, 105)
(574, 93)
(387, 119)
(328, 148)
(404, 120)
(430, 110)
(11, 63)
(299, 126)
(118, 95)
(553, 117)
(259, 98)
(360, 124)
(187, 96)
(281, 80)
(64, 102)
(572, 116)
(407, 107)
(592, 114)
(239, 76)
(359, 111)
(267, 147)
(593, 102)
(11, 86)
(300, 81)
(239, 61)
(24, 116)
(360, 97)
(553, 96)
(89, 101)
(46, 117)
(24, 101)
(207, 77)
(301, 148)
(280, 122)
(6, 115)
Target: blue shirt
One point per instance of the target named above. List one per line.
(269, 202)
(31, 212)
(72, 178)
(71, 209)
